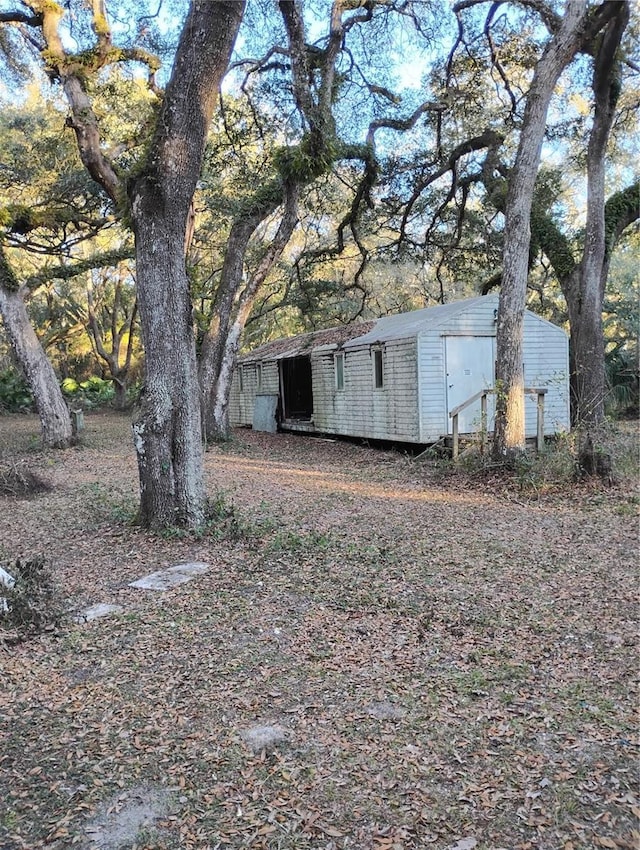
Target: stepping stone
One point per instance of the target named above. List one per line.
(386, 711)
(171, 577)
(6, 579)
(102, 609)
(259, 738)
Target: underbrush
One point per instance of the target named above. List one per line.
(15, 395)
(29, 601)
(19, 482)
(561, 464)
(90, 394)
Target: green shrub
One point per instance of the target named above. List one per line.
(623, 378)
(15, 395)
(95, 392)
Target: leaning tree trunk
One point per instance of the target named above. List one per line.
(57, 431)
(212, 351)
(510, 417)
(219, 350)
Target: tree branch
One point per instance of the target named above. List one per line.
(17, 17)
(69, 270)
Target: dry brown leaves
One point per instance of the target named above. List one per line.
(452, 666)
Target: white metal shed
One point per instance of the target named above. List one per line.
(399, 377)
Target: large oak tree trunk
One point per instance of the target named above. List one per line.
(510, 419)
(168, 432)
(54, 415)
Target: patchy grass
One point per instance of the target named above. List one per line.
(450, 660)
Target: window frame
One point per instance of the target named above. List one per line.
(378, 367)
(339, 368)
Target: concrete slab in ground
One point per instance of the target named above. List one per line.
(6, 579)
(121, 822)
(172, 576)
(259, 738)
(102, 609)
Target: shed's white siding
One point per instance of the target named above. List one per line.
(360, 409)
(546, 364)
(241, 401)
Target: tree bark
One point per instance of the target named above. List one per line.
(167, 431)
(54, 415)
(510, 421)
(585, 312)
(120, 397)
(212, 351)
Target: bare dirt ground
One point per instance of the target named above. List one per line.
(385, 653)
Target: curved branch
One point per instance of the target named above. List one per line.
(551, 19)
(402, 124)
(489, 139)
(620, 211)
(495, 61)
(65, 272)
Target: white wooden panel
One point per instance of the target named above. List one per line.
(546, 364)
(469, 369)
(361, 410)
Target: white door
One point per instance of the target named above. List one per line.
(470, 368)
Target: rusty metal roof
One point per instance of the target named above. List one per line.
(295, 346)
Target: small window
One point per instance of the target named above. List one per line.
(339, 366)
(259, 376)
(378, 373)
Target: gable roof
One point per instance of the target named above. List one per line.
(398, 326)
(403, 325)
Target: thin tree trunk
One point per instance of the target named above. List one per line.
(120, 398)
(510, 418)
(212, 351)
(54, 415)
(586, 321)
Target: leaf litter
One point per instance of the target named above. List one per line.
(445, 666)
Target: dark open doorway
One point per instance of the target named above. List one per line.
(297, 392)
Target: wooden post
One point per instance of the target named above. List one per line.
(454, 450)
(540, 434)
(77, 421)
(483, 423)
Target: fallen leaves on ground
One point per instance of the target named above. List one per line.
(445, 665)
